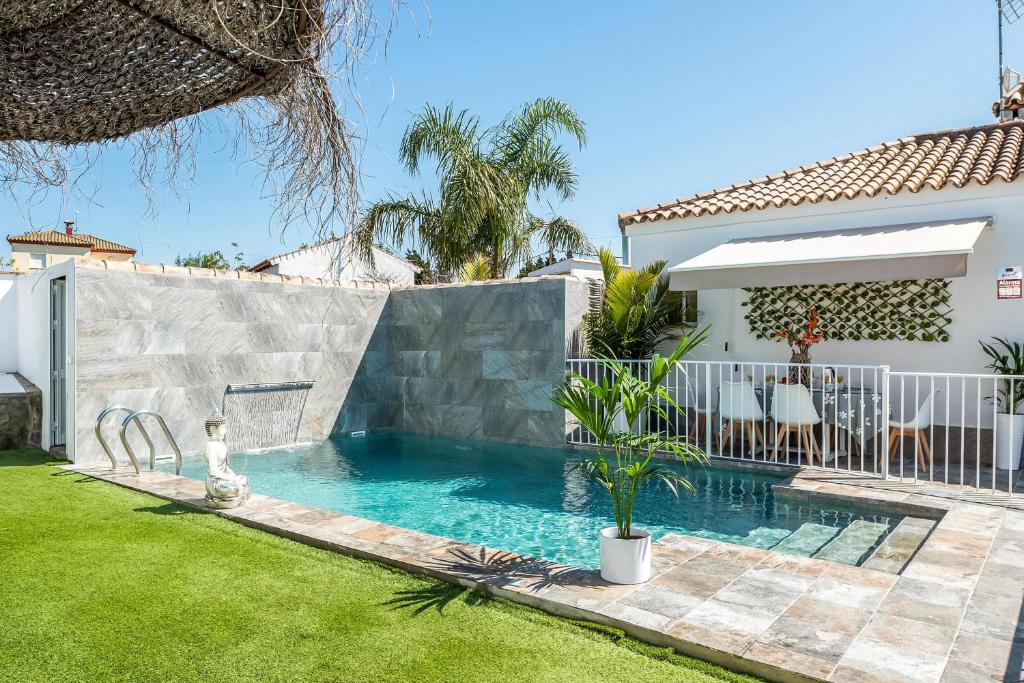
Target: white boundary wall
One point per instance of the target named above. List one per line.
(9, 317)
(31, 327)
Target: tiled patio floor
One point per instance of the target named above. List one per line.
(953, 615)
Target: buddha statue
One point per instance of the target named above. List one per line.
(224, 488)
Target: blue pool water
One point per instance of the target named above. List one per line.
(527, 499)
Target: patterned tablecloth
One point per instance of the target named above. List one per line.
(856, 409)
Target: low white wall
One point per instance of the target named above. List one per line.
(9, 314)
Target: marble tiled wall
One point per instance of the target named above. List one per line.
(472, 361)
(173, 343)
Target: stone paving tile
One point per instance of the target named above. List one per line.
(805, 566)
(344, 524)
(807, 638)
(711, 637)
(736, 625)
(885, 662)
(993, 653)
(768, 591)
(698, 584)
(926, 601)
(663, 601)
(691, 544)
(836, 617)
(909, 634)
(789, 659)
(994, 616)
(848, 590)
(636, 615)
(958, 671)
(725, 563)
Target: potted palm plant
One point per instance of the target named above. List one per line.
(1007, 360)
(625, 461)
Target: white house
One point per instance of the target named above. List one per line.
(942, 206)
(41, 249)
(582, 268)
(910, 252)
(337, 259)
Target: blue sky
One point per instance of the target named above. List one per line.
(679, 97)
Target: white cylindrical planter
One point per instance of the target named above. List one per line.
(1009, 437)
(625, 560)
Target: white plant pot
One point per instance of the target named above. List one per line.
(625, 560)
(1009, 437)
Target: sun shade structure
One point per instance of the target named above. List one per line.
(78, 74)
(79, 71)
(911, 251)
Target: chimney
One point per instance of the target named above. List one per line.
(69, 227)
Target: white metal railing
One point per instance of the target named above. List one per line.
(865, 419)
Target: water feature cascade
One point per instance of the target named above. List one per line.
(265, 415)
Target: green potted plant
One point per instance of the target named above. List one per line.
(626, 462)
(1008, 360)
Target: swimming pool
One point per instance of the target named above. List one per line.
(529, 501)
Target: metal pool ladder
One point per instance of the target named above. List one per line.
(135, 416)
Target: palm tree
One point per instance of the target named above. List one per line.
(634, 311)
(486, 178)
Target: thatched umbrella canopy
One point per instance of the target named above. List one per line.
(93, 71)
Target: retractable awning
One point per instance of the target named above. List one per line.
(912, 251)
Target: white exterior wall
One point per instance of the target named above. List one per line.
(9, 315)
(52, 255)
(33, 334)
(976, 314)
(324, 261)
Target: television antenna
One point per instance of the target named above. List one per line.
(1009, 11)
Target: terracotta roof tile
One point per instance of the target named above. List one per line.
(980, 155)
(77, 239)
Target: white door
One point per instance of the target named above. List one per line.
(58, 365)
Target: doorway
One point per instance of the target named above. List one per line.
(58, 362)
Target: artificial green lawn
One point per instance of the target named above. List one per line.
(102, 583)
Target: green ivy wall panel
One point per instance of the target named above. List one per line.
(907, 310)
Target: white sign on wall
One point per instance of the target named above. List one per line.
(1008, 284)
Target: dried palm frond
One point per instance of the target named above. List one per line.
(77, 75)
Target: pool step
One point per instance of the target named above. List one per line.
(899, 547)
(806, 540)
(853, 542)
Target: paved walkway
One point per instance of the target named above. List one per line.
(953, 615)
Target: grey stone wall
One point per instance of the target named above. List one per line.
(173, 343)
(21, 417)
(472, 361)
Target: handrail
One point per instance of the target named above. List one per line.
(134, 417)
(103, 442)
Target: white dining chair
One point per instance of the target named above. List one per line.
(793, 411)
(738, 407)
(702, 412)
(916, 428)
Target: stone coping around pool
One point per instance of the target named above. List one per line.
(952, 616)
(191, 271)
(912, 497)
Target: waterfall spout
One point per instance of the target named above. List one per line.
(265, 415)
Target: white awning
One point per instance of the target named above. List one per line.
(913, 251)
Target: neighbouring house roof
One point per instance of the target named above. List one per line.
(958, 157)
(62, 239)
(377, 253)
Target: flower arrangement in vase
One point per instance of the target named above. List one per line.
(800, 342)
